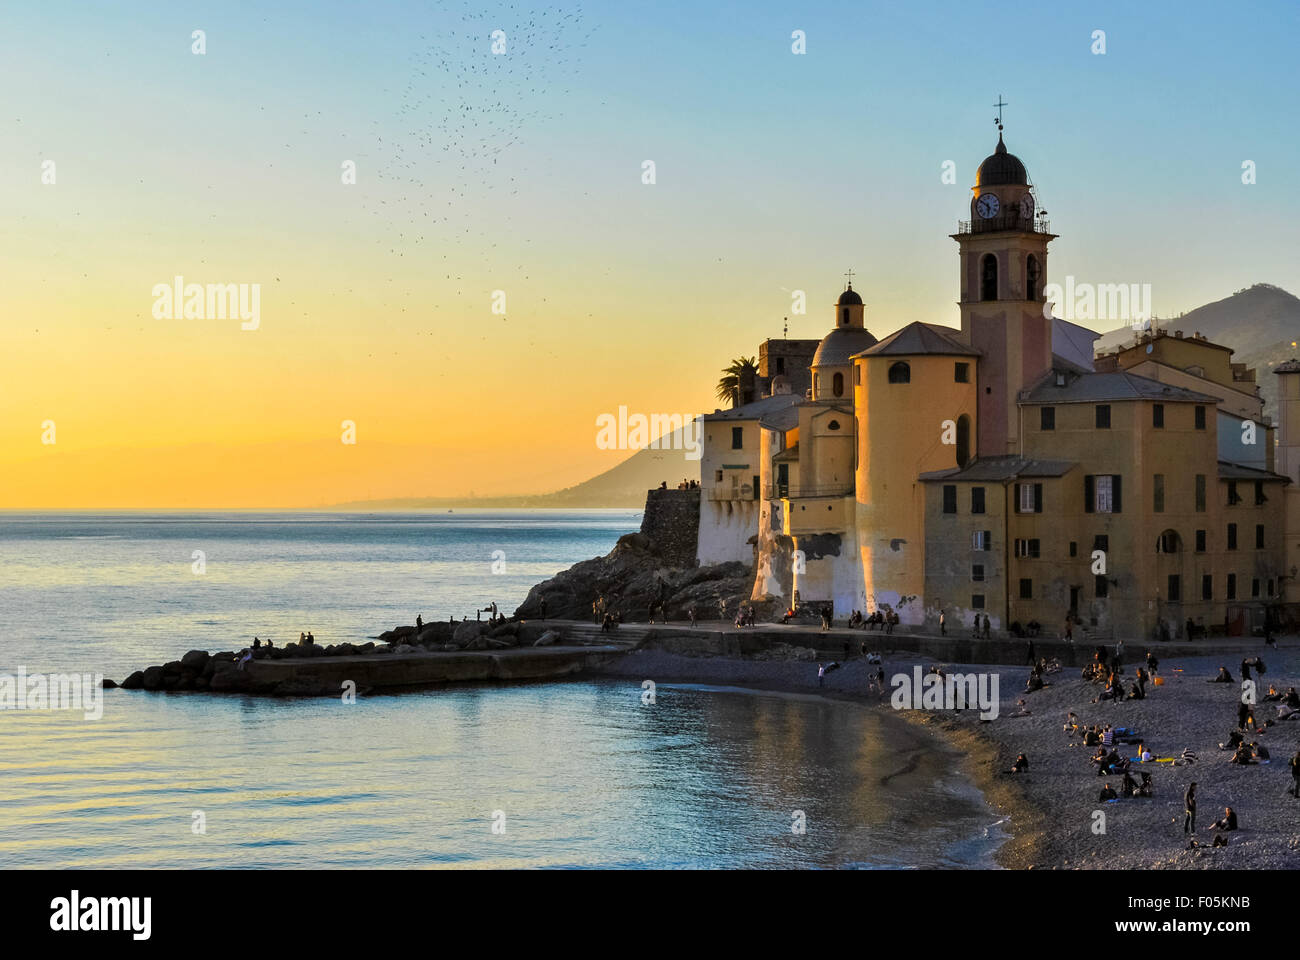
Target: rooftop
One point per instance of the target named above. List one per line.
(756, 410)
(1001, 468)
(1111, 385)
(921, 338)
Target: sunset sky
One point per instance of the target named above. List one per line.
(522, 172)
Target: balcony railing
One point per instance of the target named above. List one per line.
(796, 491)
(1007, 220)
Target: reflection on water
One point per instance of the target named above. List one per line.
(583, 772)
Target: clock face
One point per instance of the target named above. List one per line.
(1026, 207)
(987, 206)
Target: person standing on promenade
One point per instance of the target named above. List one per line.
(821, 675)
(1189, 804)
(986, 626)
(1069, 629)
(1030, 653)
(943, 628)
(1295, 775)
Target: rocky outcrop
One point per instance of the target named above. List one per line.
(633, 576)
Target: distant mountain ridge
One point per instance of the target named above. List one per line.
(621, 486)
(1259, 323)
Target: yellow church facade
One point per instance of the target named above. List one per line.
(999, 469)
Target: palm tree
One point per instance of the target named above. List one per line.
(732, 374)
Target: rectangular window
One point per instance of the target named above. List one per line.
(1270, 586)
(1027, 548)
(977, 601)
(981, 540)
(1100, 585)
(949, 498)
(1232, 536)
(1254, 588)
(1260, 499)
(1074, 548)
(977, 572)
(857, 374)
(1175, 589)
(1207, 587)
(717, 476)
(1158, 493)
(1158, 415)
(1026, 589)
(780, 365)
(1200, 418)
(1232, 586)
(961, 373)
(1200, 541)
(1029, 498)
(1233, 497)
(976, 499)
(737, 438)
(1200, 493)
(1103, 416)
(1101, 542)
(1259, 536)
(1101, 493)
(1047, 418)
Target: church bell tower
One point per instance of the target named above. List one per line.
(1003, 255)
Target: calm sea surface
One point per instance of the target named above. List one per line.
(570, 774)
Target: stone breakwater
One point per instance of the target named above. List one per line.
(439, 653)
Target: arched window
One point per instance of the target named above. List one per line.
(817, 383)
(900, 373)
(963, 440)
(1033, 273)
(989, 277)
(833, 425)
(837, 385)
(844, 316)
(1169, 542)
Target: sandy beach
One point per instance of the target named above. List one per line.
(1051, 809)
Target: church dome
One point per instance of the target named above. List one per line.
(840, 344)
(848, 297)
(1001, 168)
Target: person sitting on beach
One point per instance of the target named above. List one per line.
(1187, 756)
(1273, 693)
(1227, 822)
(1234, 741)
(1071, 723)
(1021, 765)
(1144, 755)
(789, 613)
(1223, 677)
(302, 638)
(1107, 794)
(270, 642)
(257, 644)
(1035, 681)
(1243, 755)
(1259, 751)
(1020, 711)
(1292, 699)
(1129, 787)
(1091, 737)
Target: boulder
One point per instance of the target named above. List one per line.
(134, 682)
(173, 668)
(153, 678)
(546, 639)
(108, 684)
(367, 647)
(466, 632)
(195, 660)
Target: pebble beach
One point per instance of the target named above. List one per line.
(1052, 809)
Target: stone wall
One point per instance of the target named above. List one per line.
(672, 523)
